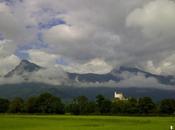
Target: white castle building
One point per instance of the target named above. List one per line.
(119, 96)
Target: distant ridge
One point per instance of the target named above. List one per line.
(115, 75)
(25, 67)
(25, 89)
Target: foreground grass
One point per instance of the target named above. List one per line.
(32, 122)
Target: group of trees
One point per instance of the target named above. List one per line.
(45, 103)
(81, 105)
(132, 106)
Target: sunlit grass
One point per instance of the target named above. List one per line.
(35, 122)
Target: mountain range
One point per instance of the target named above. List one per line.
(115, 75)
(26, 68)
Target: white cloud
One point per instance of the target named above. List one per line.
(13, 25)
(64, 33)
(97, 66)
(156, 18)
(49, 60)
(4, 8)
(8, 63)
(129, 80)
(14, 80)
(96, 36)
(141, 81)
(54, 76)
(91, 31)
(42, 58)
(6, 48)
(166, 66)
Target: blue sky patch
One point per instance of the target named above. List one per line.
(11, 2)
(38, 44)
(61, 61)
(50, 23)
(1, 36)
(22, 54)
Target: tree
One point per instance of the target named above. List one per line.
(131, 106)
(146, 105)
(16, 105)
(47, 103)
(99, 99)
(118, 107)
(4, 104)
(91, 107)
(79, 105)
(74, 109)
(30, 105)
(167, 106)
(103, 104)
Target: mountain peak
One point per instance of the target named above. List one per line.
(122, 69)
(24, 61)
(28, 66)
(24, 66)
(130, 69)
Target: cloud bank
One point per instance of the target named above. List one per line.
(89, 36)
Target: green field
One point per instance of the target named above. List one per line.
(28, 122)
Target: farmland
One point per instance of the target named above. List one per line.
(68, 122)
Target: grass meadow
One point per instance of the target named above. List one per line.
(68, 122)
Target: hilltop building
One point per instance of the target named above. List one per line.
(119, 96)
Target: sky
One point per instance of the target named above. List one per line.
(88, 36)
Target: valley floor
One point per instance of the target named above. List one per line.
(66, 122)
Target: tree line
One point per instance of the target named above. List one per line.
(47, 103)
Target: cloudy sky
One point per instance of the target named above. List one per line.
(88, 35)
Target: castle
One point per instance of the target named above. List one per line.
(119, 96)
